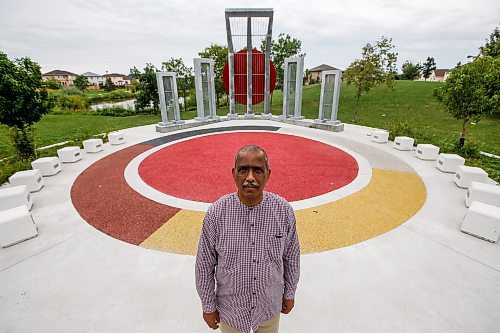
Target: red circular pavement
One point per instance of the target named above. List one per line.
(199, 169)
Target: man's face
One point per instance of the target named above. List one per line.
(250, 175)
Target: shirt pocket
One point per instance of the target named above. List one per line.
(229, 259)
(275, 246)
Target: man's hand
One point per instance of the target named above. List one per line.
(212, 319)
(287, 306)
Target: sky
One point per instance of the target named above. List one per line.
(115, 35)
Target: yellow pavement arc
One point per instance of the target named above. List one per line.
(390, 199)
(178, 235)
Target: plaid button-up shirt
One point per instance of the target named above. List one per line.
(248, 260)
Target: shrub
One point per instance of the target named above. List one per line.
(23, 142)
(70, 91)
(117, 111)
(400, 128)
(71, 102)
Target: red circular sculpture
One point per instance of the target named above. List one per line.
(240, 77)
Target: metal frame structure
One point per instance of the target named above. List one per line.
(232, 31)
(169, 100)
(205, 88)
(292, 87)
(329, 98)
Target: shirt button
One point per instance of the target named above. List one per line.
(254, 278)
(251, 225)
(253, 293)
(253, 307)
(254, 260)
(253, 243)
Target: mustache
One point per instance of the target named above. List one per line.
(251, 184)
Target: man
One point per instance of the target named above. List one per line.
(247, 267)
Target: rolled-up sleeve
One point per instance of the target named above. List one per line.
(291, 258)
(206, 261)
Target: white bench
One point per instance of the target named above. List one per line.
(48, 166)
(380, 136)
(449, 162)
(16, 225)
(467, 174)
(31, 178)
(69, 154)
(93, 145)
(116, 138)
(403, 143)
(11, 197)
(483, 221)
(426, 151)
(485, 193)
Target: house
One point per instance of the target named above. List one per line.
(315, 73)
(437, 75)
(65, 78)
(119, 80)
(94, 79)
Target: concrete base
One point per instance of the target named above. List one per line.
(15, 196)
(249, 116)
(32, 179)
(48, 166)
(16, 225)
(334, 126)
(485, 193)
(184, 125)
(266, 116)
(465, 175)
(483, 221)
(329, 127)
(69, 154)
(232, 116)
(93, 145)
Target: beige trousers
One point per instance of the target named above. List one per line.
(268, 326)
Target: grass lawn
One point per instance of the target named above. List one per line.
(411, 102)
(410, 105)
(58, 128)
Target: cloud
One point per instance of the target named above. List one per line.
(114, 36)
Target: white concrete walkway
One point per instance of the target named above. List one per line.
(424, 276)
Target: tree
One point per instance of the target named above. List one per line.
(492, 47)
(427, 68)
(81, 82)
(282, 48)
(23, 101)
(184, 75)
(376, 66)
(471, 91)
(109, 85)
(146, 88)
(307, 76)
(218, 53)
(52, 83)
(410, 71)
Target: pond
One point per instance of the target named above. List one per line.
(127, 104)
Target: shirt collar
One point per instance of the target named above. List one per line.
(257, 206)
